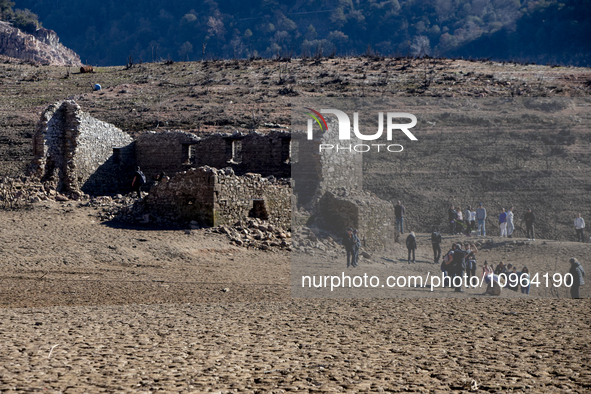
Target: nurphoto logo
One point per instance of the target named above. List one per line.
(345, 130)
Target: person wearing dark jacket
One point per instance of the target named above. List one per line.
(349, 244)
(138, 180)
(399, 212)
(411, 245)
(471, 251)
(356, 247)
(578, 273)
(452, 216)
(500, 269)
(529, 219)
(436, 243)
(458, 265)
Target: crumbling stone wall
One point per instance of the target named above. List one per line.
(238, 196)
(214, 197)
(164, 151)
(328, 183)
(253, 152)
(187, 196)
(320, 170)
(76, 151)
(373, 217)
(175, 151)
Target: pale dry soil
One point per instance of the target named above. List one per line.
(90, 307)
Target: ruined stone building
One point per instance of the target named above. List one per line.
(75, 151)
(218, 179)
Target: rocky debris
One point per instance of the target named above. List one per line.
(111, 208)
(24, 191)
(42, 47)
(312, 240)
(500, 243)
(256, 233)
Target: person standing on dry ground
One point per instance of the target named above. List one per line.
(578, 273)
(436, 243)
(472, 220)
(524, 280)
(452, 215)
(399, 212)
(138, 181)
(458, 265)
(467, 221)
(356, 247)
(510, 225)
(503, 222)
(491, 279)
(348, 243)
(580, 228)
(411, 245)
(459, 221)
(471, 251)
(529, 219)
(481, 218)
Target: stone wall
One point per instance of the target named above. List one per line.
(373, 217)
(238, 195)
(174, 151)
(76, 151)
(165, 151)
(217, 197)
(187, 196)
(42, 47)
(317, 171)
(265, 154)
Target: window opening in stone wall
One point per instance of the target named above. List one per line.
(285, 148)
(237, 151)
(294, 151)
(116, 155)
(259, 209)
(188, 151)
(235, 148)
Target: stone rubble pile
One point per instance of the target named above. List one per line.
(254, 233)
(312, 240)
(111, 207)
(21, 192)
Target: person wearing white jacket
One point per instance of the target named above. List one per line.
(580, 228)
(510, 225)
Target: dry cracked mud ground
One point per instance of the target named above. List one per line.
(91, 307)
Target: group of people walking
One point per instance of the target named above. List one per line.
(460, 261)
(462, 258)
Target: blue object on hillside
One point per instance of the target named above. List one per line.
(97, 87)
